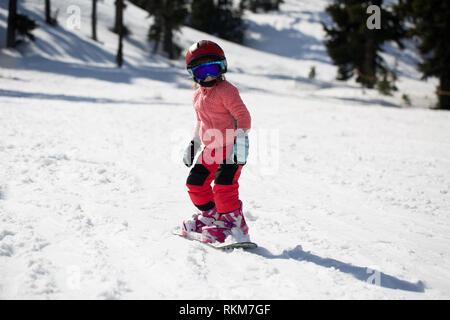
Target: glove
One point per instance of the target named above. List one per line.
(191, 151)
(240, 147)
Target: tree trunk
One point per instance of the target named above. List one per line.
(444, 93)
(168, 44)
(156, 46)
(167, 31)
(94, 20)
(119, 11)
(11, 33)
(117, 18)
(48, 17)
(369, 63)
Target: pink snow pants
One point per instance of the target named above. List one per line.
(211, 166)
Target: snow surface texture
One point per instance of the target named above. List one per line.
(347, 193)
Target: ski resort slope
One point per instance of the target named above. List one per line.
(346, 192)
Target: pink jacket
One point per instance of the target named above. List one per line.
(219, 111)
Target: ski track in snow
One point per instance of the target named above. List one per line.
(353, 204)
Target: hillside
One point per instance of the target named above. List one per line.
(345, 191)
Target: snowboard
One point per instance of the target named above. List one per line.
(246, 245)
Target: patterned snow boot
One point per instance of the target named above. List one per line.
(198, 221)
(232, 223)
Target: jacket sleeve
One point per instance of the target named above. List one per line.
(234, 104)
(197, 117)
(197, 125)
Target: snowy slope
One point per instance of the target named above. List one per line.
(346, 192)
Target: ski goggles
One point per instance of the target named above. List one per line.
(212, 69)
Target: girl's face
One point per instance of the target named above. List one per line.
(209, 78)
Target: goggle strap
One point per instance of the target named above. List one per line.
(222, 64)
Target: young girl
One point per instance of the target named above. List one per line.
(223, 122)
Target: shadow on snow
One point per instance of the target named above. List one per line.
(72, 98)
(94, 61)
(287, 42)
(360, 273)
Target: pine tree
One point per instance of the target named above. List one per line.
(220, 19)
(312, 73)
(24, 26)
(264, 5)
(18, 24)
(168, 15)
(431, 25)
(228, 22)
(355, 48)
(386, 86)
(202, 15)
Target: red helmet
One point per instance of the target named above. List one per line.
(204, 49)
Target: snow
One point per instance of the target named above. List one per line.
(346, 192)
